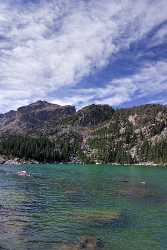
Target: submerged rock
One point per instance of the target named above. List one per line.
(98, 215)
(141, 190)
(90, 242)
(69, 247)
(85, 243)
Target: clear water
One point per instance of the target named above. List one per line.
(60, 203)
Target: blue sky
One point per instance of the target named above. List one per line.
(83, 51)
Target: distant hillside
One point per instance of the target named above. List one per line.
(97, 133)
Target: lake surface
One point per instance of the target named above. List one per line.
(124, 207)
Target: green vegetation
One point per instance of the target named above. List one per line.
(153, 152)
(107, 150)
(40, 149)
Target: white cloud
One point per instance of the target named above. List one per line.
(151, 80)
(56, 43)
(160, 36)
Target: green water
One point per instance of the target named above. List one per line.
(60, 203)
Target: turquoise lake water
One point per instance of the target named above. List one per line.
(124, 207)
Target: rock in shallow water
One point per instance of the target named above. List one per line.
(97, 215)
(69, 247)
(85, 243)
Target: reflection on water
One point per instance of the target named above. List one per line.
(76, 207)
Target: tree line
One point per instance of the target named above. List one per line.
(41, 149)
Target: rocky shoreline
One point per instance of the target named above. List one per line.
(16, 161)
(4, 160)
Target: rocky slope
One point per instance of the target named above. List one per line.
(96, 133)
(33, 118)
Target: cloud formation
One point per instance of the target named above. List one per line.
(47, 45)
(151, 80)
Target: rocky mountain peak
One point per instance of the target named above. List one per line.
(94, 114)
(33, 116)
(39, 105)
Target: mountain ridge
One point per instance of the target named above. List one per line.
(95, 133)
